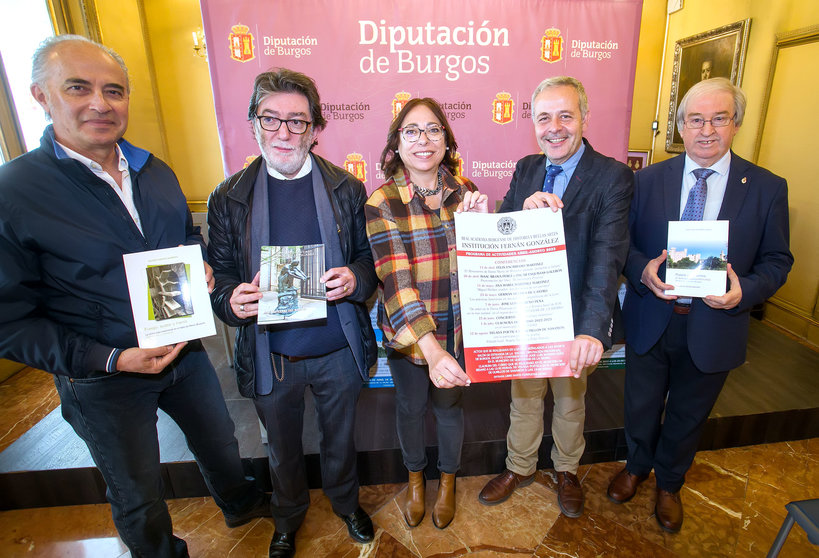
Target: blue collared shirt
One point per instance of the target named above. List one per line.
(568, 166)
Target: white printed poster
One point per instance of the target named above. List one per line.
(516, 304)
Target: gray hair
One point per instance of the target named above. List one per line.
(708, 87)
(282, 80)
(557, 81)
(39, 65)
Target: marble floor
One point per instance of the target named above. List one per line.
(25, 398)
(734, 504)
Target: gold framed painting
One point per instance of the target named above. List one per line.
(719, 52)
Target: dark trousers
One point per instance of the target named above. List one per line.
(665, 379)
(115, 414)
(336, 384)
(413, 391)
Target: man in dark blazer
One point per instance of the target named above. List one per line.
(594, 193)
(679, 351)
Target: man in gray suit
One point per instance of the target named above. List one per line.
(594, 192)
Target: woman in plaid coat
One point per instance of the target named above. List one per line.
(411, 228)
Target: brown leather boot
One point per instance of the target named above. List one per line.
(443, 512)
(413, 508)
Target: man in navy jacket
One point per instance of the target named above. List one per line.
(69, 210)
(679, 351)
(594, 192)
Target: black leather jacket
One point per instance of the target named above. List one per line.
(229, 255)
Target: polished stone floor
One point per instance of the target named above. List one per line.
(734, 504)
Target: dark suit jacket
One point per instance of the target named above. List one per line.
(756, 204)
(595, 222)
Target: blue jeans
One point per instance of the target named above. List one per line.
(336, 384)
(116, 414)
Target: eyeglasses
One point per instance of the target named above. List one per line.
(411, 134)
(272, 124)
(719, 121)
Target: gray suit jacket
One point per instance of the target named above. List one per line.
(595, 220)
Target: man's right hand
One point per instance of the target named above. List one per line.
(148, 361)
(244, 302)
(651, 279)
(543, 199)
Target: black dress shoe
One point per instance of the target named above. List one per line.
(283, 545)
(359, 525)
(259, 509)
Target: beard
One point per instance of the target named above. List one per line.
(290, 162)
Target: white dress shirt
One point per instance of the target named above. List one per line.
(125, 193)
(716, 185)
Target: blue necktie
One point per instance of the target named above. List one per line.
(695, 204)
(551, 172)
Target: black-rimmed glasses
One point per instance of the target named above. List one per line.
(272, 124)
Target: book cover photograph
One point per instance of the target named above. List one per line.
(290, 286)
(169, 285)
(169, 295)
(697, 263)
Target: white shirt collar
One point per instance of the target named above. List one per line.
(122, 163)
(721, 167)
(306, 168)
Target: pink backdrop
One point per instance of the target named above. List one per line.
(481, 59)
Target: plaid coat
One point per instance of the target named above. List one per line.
(415, 259)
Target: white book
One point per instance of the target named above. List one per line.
(697, 263)
(290, 286)
(169, 296)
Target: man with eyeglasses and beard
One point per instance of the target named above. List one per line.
(679, 351)
(290, 197)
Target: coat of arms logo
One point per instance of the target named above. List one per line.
(242, 48)
(503, 108)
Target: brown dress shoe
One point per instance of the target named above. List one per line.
(623, 486)
(669, 510)
(413, 507)
(501, 487)
(569, 494)
(443, 512)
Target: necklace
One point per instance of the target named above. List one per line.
(430, 192)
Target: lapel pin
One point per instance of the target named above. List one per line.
(744, 180)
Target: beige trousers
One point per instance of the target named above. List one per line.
(526, 428)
